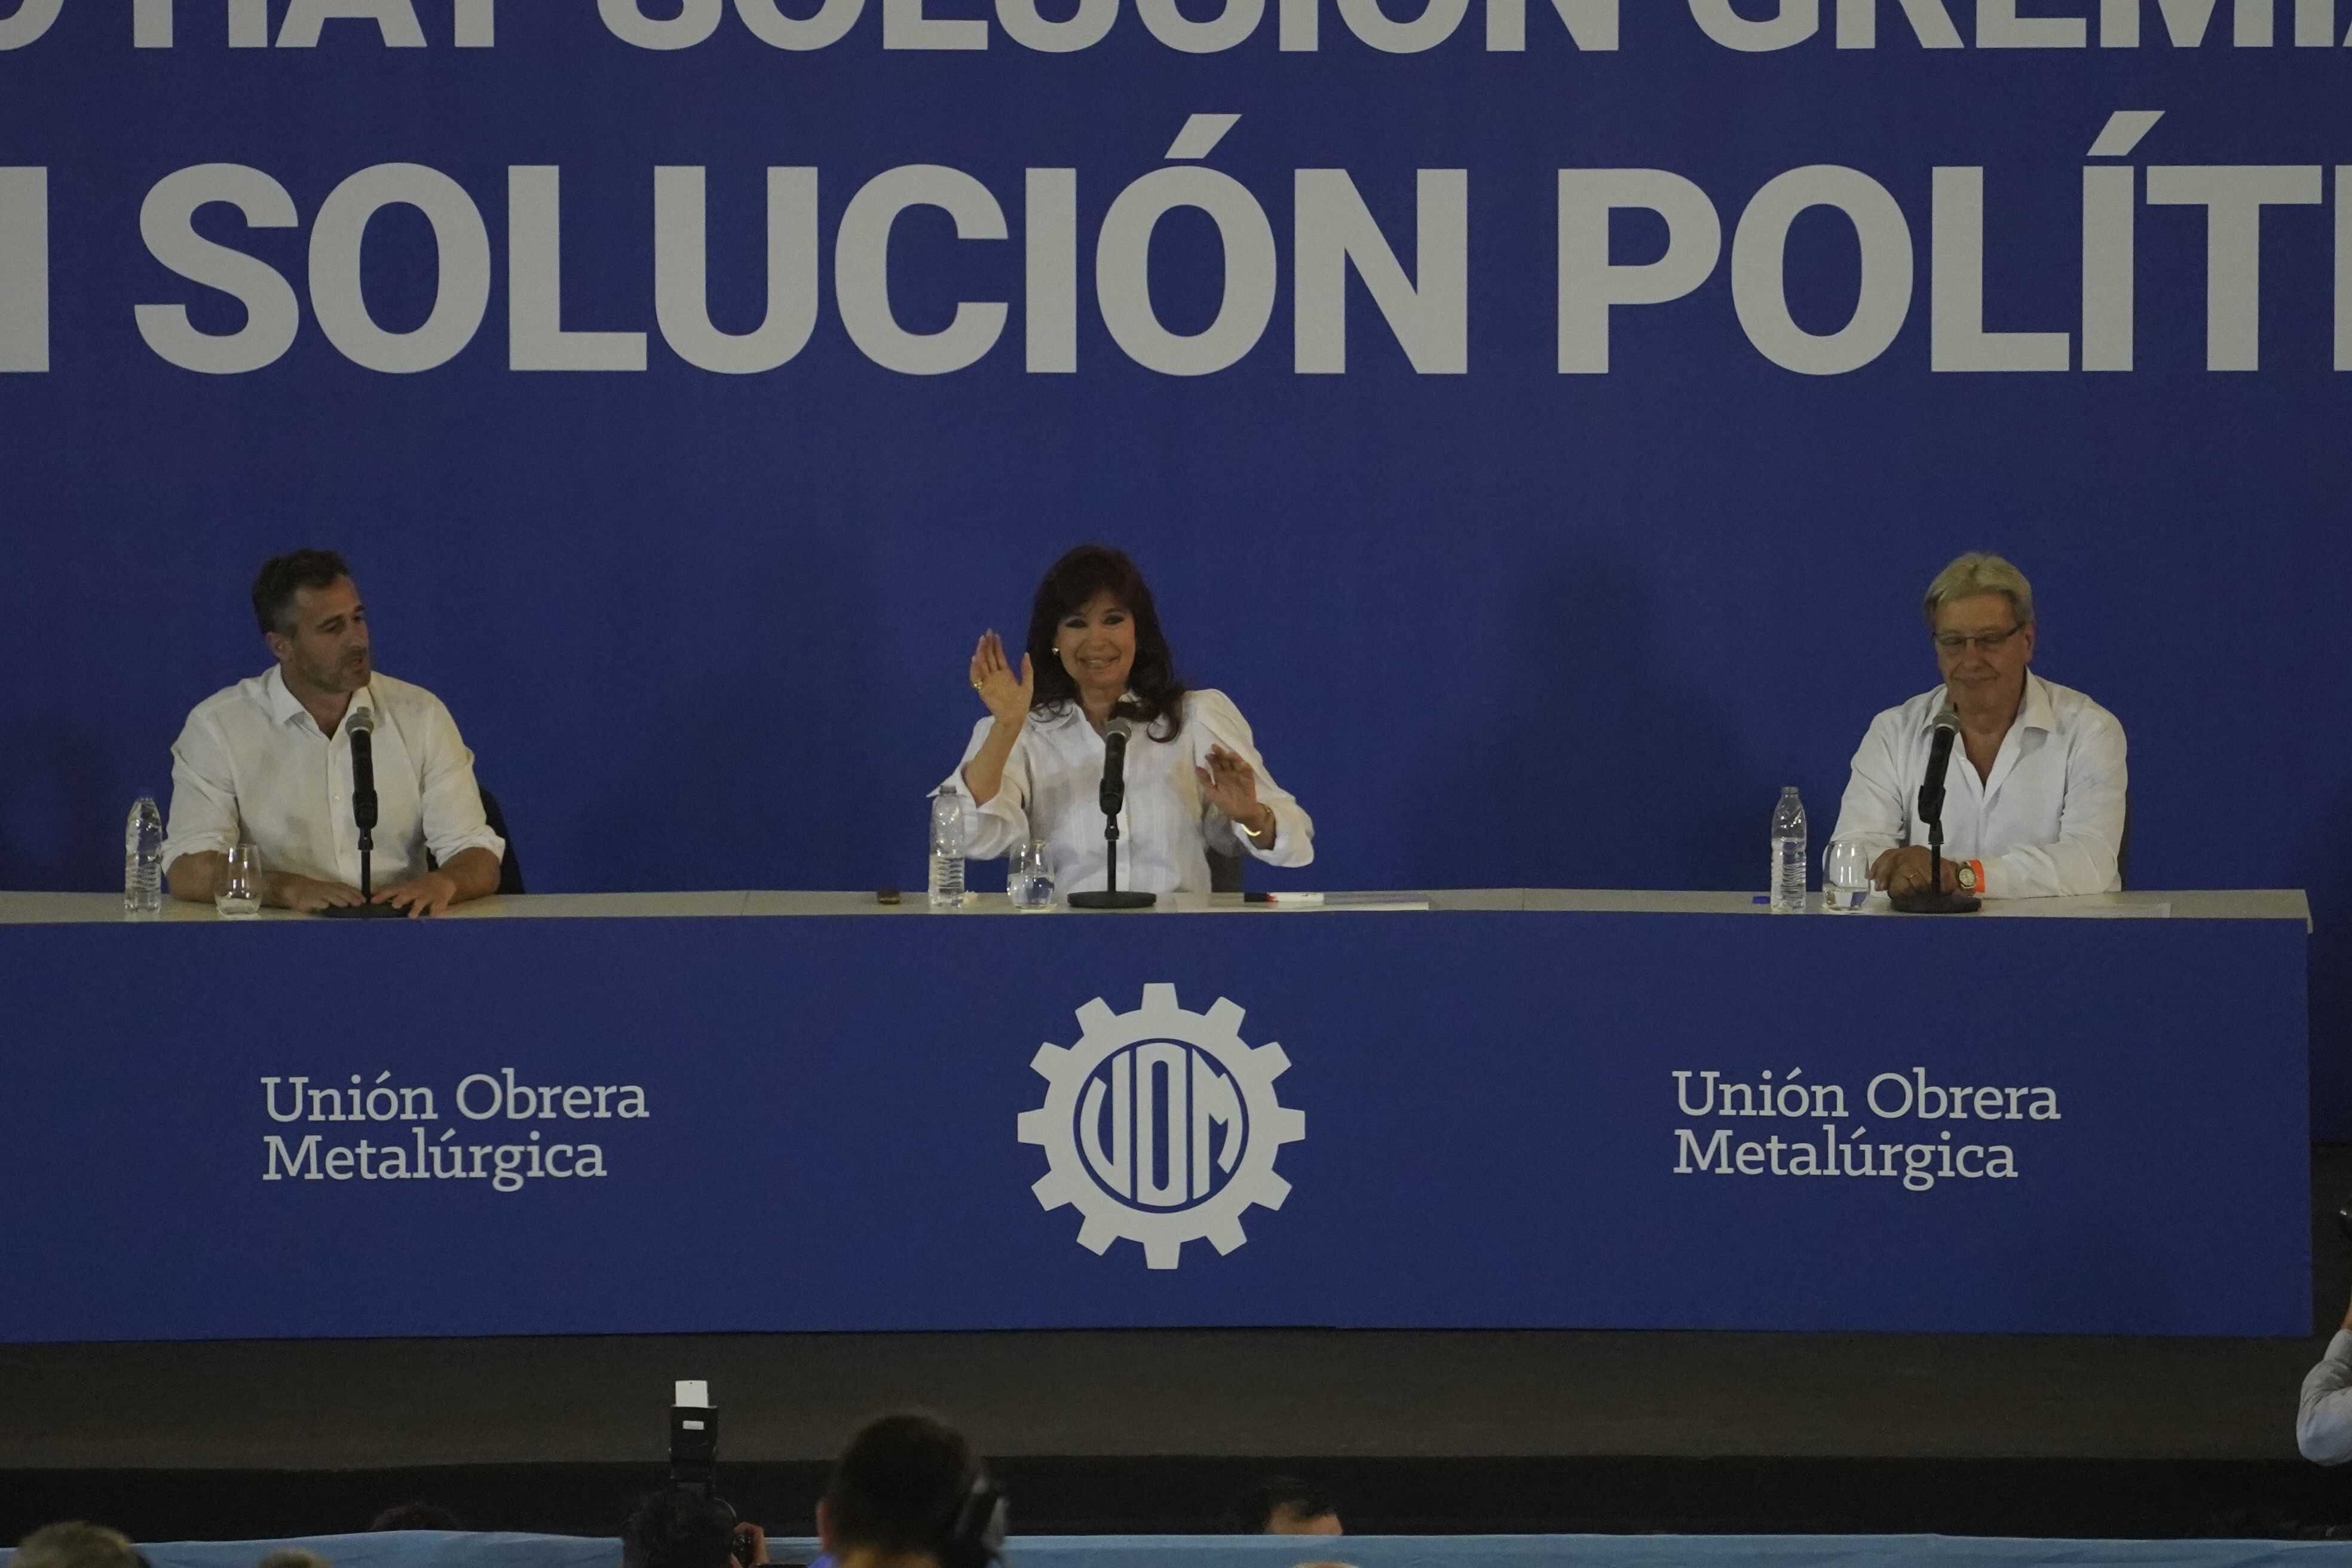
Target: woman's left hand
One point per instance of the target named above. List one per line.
(1230, 785)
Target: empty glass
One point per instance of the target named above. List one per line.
(1029, 876)
(238, 893)
(1845, 877)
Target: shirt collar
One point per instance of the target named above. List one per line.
(2035, 710)
(1071, 713)
(285, 707)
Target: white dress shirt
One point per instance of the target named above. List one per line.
(2049, 819)
(2323, 1423)
(1051, 783)
(251, 763)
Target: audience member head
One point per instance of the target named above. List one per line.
(675, 1528)
(77, 1545)
(293, 1557)
(418, 1515)
(908, 1493)
(1285, 1505)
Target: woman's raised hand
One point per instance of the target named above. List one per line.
(1230, 785)
(1007, 698)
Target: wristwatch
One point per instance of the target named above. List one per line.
(1970, 874)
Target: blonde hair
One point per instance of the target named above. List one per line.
(1979, 572)
(74, 1544)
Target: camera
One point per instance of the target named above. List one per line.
(694, 1457)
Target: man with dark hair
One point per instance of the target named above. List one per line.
(907, 1492)
(1285, 1505)
(682, 1528)
(268, 761)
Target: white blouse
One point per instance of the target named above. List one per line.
(1051, 783)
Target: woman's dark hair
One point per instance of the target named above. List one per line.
(1157, 692)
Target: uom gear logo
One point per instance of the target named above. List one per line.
(1161, 1126)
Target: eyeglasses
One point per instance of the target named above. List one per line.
(1987, 642)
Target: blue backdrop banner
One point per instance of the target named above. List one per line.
(1541, 417)
(1359, 1119)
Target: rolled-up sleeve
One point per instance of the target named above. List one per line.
(205, 817)
(1873, 812)
(2090, 826)
(991, 830)
(450, 799)
(1220, 723)
(2323, 1423)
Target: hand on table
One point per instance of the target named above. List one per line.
(309, 895)
(1906, 871)
(425, 895)
(1007, 699)
(757, 1539)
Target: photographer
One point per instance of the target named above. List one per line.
(680, 1528)
(907, 1492)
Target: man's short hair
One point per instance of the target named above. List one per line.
(675, 1528)
(900, 1484)
(273, 590)
(1979, 571)
(1255, 1508)
(74, 1544)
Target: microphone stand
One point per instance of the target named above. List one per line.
(1112, 797)
(1932, 899)
(364, 813)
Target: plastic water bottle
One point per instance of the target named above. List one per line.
(143, 861)
(1789, 854)
(947, 850)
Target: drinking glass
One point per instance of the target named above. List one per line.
(1845, 877)
(238, 894)
(1029, 876)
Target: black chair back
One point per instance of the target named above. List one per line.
(510, 868)
(2122, 848)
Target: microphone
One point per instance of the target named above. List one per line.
(1114, 779)
(1116, 733)
(1932, 899)
(1940, 762)
(360, 725)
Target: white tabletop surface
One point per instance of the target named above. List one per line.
(69, 908)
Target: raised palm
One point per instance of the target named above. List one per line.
(1008, 697)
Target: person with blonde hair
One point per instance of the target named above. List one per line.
(74, 1544)
(2035, 791)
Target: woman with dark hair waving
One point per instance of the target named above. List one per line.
(1195, 783)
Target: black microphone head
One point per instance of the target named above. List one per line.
(360, 720)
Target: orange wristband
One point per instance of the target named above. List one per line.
(1976, 868)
